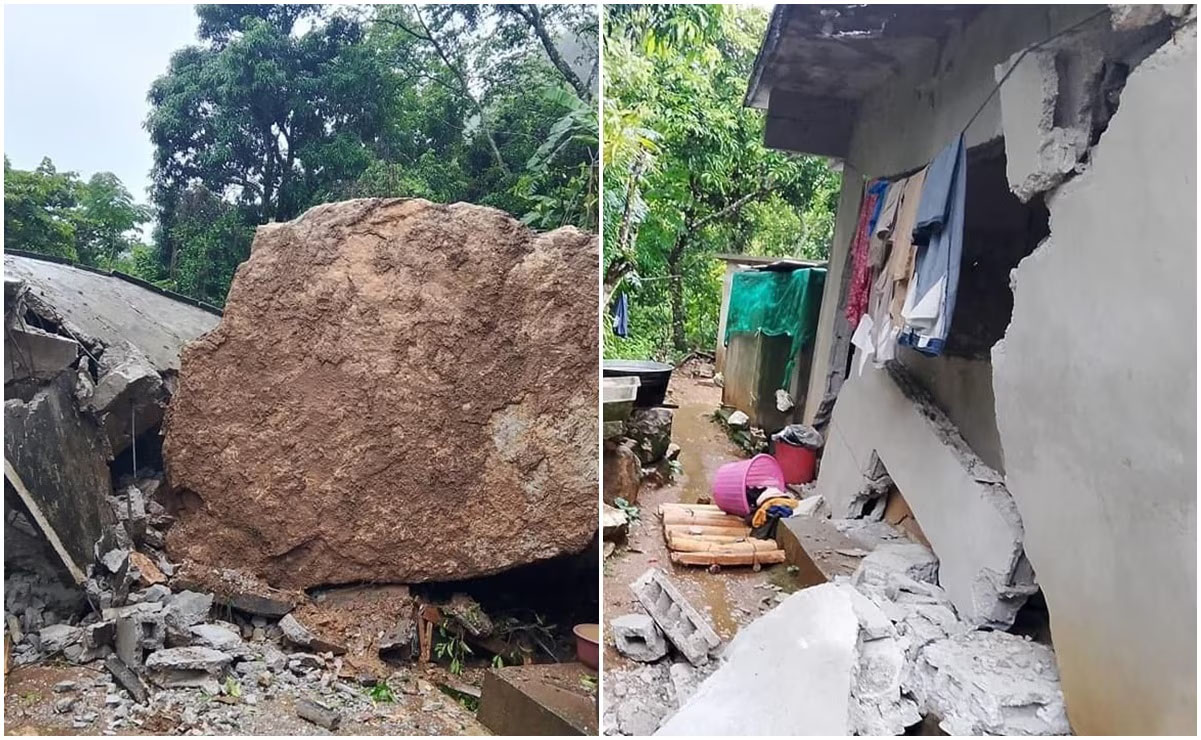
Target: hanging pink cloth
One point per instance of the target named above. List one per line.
(861, 273)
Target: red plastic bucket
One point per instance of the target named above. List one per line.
(796, 462)
(732, 479)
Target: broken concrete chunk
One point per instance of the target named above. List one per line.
(33, 354)
(57, 637)
(219, 636)
(202, 659)
(319, 714)
(814, 506)
(738, 419)
(148, 572)
(412, 264)
(806, 644)
(99, 634)
(139, 631)
(990, 683)
(129, 397)
(56, 461)
(115, 560)
(636, 637)
(614, 523)
(127, 679)
(681, 623)
(907, 558)
(295, 632)
(877, 706)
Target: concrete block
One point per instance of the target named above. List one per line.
(186, 666)
(788, 673)
(138, 632)
(547, 699)
(681, 623)
(990, 683)
(961, 504)
(637, 637)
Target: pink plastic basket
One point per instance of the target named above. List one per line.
(732, 479)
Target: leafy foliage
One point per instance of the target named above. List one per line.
(56, 213)
(687, 175)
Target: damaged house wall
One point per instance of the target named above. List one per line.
(1096, 394)
(1089, 400)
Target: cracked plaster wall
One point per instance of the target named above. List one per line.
(1095, 387)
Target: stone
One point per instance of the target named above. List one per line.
(57, 637)
(738, 419)
(807, 644)
(115, 560)
(148, 572)
(319, 714)
(187, 608)
(250, 668)
(910, 558)
(303, 508)
(468, 614)
(57, 462)
(304, 661)
(680, 622)
(64, 705)
(813, 506)
(179, 666)
(636, 637)
(33, 354)
(63, 687)
(295, 632)
(157, 593)
(99, 634)
(614, 523)
(684, 681)
(877, 705)
(622, 472)
(990, 683)
(650, 428)
(217, 636)
(127, 679)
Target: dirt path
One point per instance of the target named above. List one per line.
(731, 598)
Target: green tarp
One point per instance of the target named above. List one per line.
(777, 304)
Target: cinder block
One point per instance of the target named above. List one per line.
(680, 622)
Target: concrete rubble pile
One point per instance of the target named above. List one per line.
(398, 392)
(874, 654)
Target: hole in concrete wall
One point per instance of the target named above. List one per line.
(148, 450)
(999, 231)
(1033, 620)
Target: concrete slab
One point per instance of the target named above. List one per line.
(817, 547)
(961, 503)
(788, 673)
(55, 459)
(547, 699)
(31, 353)
(111, 309)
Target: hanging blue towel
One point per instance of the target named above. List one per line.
(621, 316)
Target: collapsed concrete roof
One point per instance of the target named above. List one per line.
(113, 308)
(818, 63)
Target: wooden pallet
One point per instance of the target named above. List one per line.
(704, 535)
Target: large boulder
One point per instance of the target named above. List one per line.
(398, 391)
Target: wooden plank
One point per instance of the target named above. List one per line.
(683, 543)
(43, 523)
(770, 557)
(683, 517)
(689, 507)
(740, 530)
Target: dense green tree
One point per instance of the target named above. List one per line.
(51, 212)
(687, 174)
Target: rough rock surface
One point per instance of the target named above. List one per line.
(398, 391)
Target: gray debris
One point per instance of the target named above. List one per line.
(318, 713)
(127, 678)
(187, 666)
(64, 705)
(637, 638)
(877, 705)
(813, 506)
(295, 632)
(140, 629)
(990, 683)
(115, 560)
(680, 622)
(57, 637)
(219, 636)
(684, 679)
(185, 609)
(637, 702)
(63, 687)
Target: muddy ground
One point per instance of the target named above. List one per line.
(419, 708)
(731, 598)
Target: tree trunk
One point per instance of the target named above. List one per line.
(676, 293)
(532, 16)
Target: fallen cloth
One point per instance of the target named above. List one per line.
(768, 515)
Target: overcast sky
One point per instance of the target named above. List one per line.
(75, 83)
